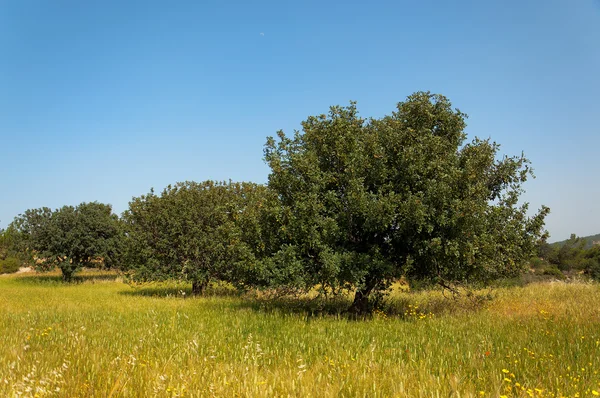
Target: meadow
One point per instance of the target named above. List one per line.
(103, 338)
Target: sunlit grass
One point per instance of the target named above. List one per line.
(101, 338)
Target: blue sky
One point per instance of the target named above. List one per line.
(104, 100)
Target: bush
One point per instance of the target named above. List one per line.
(591, 262)
(9, 265)
(592, 268)
(537, 263)
(554, 271)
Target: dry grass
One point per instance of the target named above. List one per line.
(102, 338)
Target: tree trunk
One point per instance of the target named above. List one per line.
(361, 304)
(67, 269)
(67, 274)
(199, 287)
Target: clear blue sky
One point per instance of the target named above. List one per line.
(104, 100)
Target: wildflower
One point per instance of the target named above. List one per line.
(505, 371)
(596, 393)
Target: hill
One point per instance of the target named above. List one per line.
(590, 241)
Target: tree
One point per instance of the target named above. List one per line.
(545, 250)
(197, 232)
(4, 244)
(569, 255)
(591, 262)
(70, 237)
(364, 202)
(11, 258)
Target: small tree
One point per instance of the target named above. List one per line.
(364, 202)
(569, 255)
(5, 244)
(591, 262)
(70, 237)
(11, 258)
(197, 232)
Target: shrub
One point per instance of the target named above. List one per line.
(591, 262)
(537, 263)
(554, 271)
(592, 268)
(9, 265)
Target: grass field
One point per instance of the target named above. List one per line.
(103, 338)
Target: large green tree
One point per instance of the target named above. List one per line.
(198, 232)
(366, 201)
(87, 235)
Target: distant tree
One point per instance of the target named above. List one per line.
(9, 265)
(569, 254)
(4, 244)
(591, 262)
(88, 235)
(364, 202)
(32, 228)
(11, 258)
(544, 250)
(196, 232)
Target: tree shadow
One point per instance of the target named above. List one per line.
(55, 279)
(309, 307)
(284, 305)
(405, 306)
(180, 290)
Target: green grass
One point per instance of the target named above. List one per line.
(103, 338)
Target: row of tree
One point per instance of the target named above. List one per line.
(351, 204)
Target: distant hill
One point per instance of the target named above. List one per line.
(590, 240)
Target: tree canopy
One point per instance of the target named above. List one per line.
(70, 237)
(366, 201)
(197, 232)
